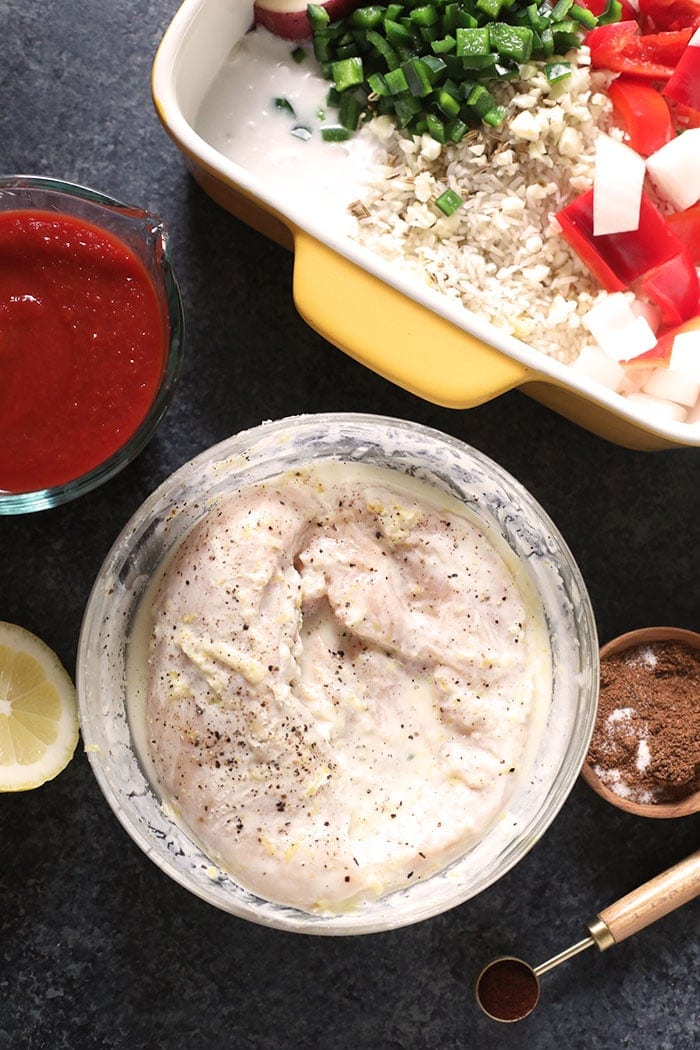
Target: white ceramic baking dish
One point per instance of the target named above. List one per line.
(410, 334)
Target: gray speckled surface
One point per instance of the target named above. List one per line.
(97, 947)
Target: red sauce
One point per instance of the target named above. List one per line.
(82, 347)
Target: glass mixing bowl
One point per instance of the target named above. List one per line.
(146, 236)
(497, 499)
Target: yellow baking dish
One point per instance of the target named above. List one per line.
(412, 336)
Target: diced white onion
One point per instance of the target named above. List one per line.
(617, 329)
(647, 310)
(617, 187)
(675, 169)
(635, 378)
(673, 386)
(656, 407)
(596, 364)
(685, 354)
(694, 414)
(526, 126)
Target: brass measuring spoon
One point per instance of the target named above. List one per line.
(508, 989)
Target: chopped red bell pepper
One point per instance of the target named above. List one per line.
(685, 117)
(673, 286)
(684, 83)
(669, 14)
(619, 259)
(686, 226)
(644, 114)
(657, 357)
(621, 48)
(576, 221)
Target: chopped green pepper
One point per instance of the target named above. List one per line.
(422, 61)
(449, 202)
(557, 71)
(284, 105)
(334, 133)
(347, 73)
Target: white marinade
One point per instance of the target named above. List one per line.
(240, 119)
(346, 677)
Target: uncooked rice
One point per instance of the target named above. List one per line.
(501, 253)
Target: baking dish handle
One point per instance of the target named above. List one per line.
(392, 334)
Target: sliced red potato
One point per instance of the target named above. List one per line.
(288, 18)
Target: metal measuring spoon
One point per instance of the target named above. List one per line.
(508, 989)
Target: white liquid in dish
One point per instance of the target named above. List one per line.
(346, 676)
(239, 118)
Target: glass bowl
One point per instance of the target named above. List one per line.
(496, 499)
(146, 236)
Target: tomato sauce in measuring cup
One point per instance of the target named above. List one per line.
(82, 347)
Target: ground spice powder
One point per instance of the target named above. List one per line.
(646, 740)
(508, 989)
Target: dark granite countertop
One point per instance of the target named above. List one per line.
(97, 947)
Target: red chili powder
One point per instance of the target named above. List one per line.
(508, 989)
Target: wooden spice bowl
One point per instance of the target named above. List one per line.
(691, 803)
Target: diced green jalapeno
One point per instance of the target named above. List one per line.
(396, 81)
(511, 41)
(349, 111)
(429, 63)
(491, 8)
(285, 106)
(318, 16)
(347, 73)
(557, 71)
(368, 17)
(418, 77)
(448, 103)
(334, 133)
(426, 15)
(473, 42)
(612, 13)
(436, 128)
(449, 202)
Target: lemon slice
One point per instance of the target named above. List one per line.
(38, 711)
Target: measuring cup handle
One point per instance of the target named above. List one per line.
(656, 898)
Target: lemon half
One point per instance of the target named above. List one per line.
(38, 711)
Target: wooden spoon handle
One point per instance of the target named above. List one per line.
(656, 898)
